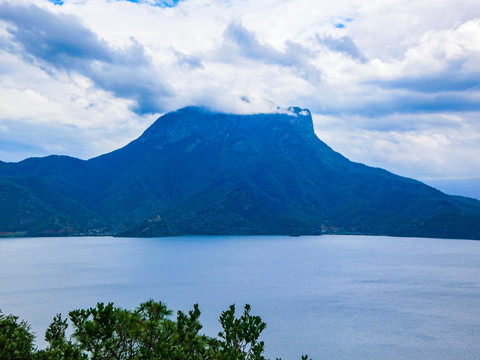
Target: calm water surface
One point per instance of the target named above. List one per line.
(333, 297)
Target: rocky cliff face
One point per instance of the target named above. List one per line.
(195, 171)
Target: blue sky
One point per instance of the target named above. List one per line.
(394, 83)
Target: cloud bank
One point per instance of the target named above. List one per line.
(62, 43)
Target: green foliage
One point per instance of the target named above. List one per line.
(16, 339)
(59, 347)
(106, 332)
(156, 330)
(240, 335)
(188, 343)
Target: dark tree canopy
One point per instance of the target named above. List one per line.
(16, 338)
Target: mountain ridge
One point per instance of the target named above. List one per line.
(203, 172)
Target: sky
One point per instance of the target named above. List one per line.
(390, 83)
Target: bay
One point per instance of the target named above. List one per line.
(333, 297)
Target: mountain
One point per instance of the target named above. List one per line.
(195, 171)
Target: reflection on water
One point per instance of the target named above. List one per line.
(333, 297)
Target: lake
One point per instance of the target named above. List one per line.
(333, 297)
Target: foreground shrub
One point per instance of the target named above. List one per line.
(16, 338)
(106, 332)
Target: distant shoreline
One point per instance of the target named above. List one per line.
(19, 235)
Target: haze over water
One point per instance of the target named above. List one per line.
(333, 297)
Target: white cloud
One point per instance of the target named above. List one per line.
(43, 114)
(427, 146)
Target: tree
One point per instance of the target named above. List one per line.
(241, 335)
(106, 332)
(188, 344)
(156, 332)
(59, 348)
(16, 339)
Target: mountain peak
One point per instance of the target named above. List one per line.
(301, 118)
(205, 123)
